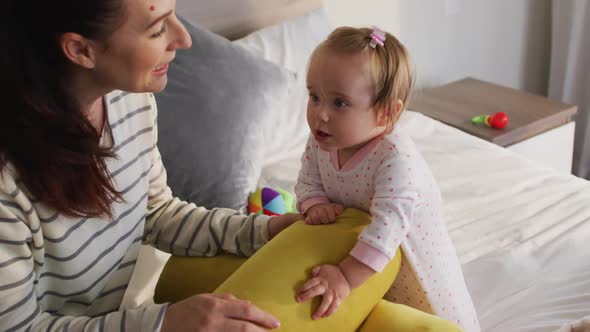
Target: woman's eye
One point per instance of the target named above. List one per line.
(159, 33)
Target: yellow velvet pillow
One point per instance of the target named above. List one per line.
(387, 316)
(271, 276)
(185, 276)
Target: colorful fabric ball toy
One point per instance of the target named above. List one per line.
(271, 202)
(497, 120)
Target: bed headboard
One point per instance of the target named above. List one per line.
(237, 18)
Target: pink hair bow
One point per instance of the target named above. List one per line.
(378, 37)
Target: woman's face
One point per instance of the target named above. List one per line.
(136, 56)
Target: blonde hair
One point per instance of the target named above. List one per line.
(390, 65)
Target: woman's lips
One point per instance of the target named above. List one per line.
(160, 70)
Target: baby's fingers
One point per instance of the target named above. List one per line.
(324, 215)
(327, 299)
(311, 219)
(335, 304)
(306, 293)
(308, 285)
(330, 216)
(316, 270)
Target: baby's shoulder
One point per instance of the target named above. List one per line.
(398, 154)
(398, 145)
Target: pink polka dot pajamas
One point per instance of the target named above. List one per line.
(389, 179)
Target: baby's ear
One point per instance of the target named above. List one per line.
(390, 112)
(398, 107)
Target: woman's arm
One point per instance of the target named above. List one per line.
(21, 256)
(184, 229)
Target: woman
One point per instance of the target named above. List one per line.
(81, 180)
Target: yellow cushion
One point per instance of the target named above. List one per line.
(387, 316)
(271, 276)
(185, 276)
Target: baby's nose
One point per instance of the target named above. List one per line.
(323, 114)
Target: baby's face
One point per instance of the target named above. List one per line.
(340, 110)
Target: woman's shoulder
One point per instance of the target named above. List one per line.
(124, 101)
(124, 106)
(8, 177)
(117, 96)
(10, 192)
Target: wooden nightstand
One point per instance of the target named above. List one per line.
(540, 129)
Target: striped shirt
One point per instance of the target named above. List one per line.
(70, 274)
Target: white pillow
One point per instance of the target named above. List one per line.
(290, 44)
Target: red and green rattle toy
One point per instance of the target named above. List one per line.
(497, 120)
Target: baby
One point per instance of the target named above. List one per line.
(359, 81)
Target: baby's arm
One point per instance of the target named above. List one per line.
(393, 204)
(355, 271)
(392, 211)
(312, 200)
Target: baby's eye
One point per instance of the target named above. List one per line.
(314, 98)
(339, 103)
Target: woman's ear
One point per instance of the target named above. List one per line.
(78, 49)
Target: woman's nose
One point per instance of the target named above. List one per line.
(180, 38)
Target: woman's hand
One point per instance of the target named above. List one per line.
(216, 312)
(280, 222)
(329, 282)
(323, 213)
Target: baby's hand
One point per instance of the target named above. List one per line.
(329, 282)
(323, 213)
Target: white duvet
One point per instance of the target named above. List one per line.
(522, 231)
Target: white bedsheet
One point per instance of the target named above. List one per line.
(521, 230)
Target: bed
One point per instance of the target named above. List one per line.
(520, 229)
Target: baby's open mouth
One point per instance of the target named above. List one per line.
(322, 133)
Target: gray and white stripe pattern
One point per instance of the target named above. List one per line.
(64, 274)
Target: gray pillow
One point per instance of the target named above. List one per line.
(214, 118)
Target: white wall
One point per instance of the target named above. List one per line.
(382, 13)
(502, 41)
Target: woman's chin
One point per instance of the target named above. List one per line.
(157, 85)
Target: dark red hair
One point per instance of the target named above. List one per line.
(43, 131)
